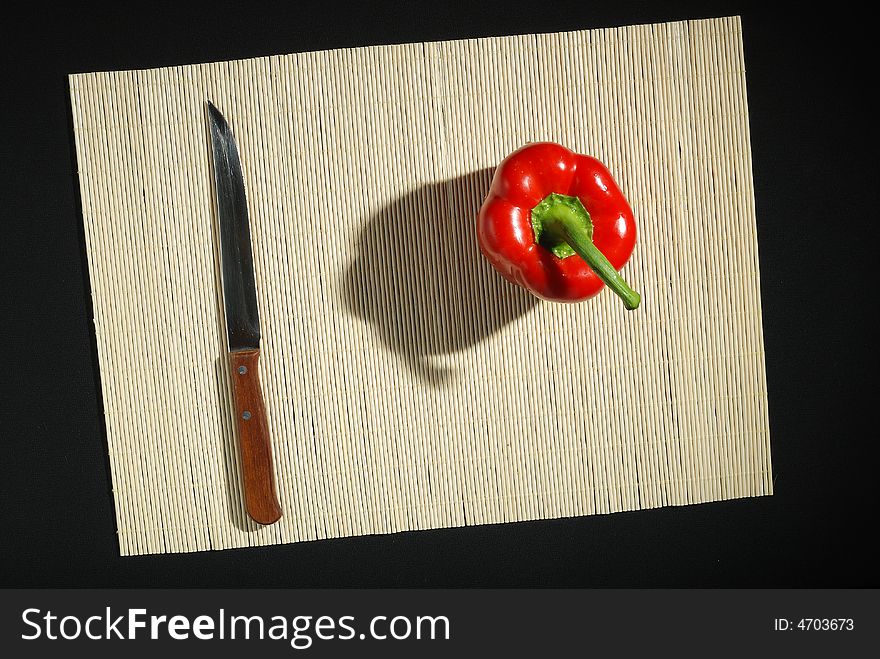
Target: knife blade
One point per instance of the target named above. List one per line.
(242, 323)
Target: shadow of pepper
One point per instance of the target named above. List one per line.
(419, 279)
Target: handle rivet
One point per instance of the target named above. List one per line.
(242, 370)
(246, 415)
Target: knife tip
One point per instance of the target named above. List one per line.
(216, 116)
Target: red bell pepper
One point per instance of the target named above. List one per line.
(555, 223)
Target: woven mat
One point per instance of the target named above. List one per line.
(407, 385)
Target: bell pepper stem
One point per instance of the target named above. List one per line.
(563, 220)
(583, 244)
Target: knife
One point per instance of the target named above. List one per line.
(242, 324)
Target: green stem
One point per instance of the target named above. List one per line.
(562, 222)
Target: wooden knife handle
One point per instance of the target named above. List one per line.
(258, 474)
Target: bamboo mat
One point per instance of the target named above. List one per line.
(407, 385)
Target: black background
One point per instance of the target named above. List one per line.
(813, 139)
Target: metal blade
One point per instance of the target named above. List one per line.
(236, 258)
